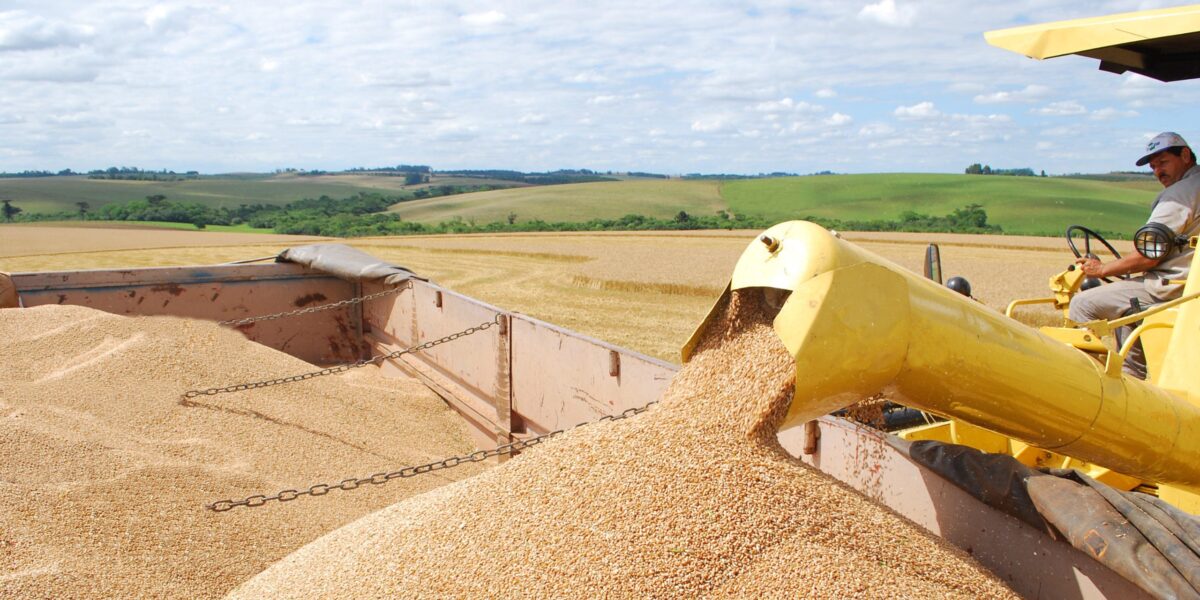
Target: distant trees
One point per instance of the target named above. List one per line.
(136, 174)
(9, 210)
(978, 169)
(25, 174)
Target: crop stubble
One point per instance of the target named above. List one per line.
(641, 290)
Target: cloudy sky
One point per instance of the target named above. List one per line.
(671, 87)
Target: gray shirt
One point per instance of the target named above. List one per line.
(1177, 207)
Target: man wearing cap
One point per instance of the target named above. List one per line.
(1177, 207)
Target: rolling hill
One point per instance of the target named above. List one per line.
(57, 194)
(575, 202)
(1020, 205)
(1024, 205)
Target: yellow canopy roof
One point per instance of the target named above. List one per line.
(1163, 44)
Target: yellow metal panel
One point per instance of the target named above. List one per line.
(1048, 40)
(1079, 338)
(1180, 498)
(977, 437)
(1179, 368)
(1155, 341)
(937, 432)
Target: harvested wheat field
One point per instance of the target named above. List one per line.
(105, 472)
(640, 290)
(692, 498)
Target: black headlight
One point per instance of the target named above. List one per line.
(1154, 241)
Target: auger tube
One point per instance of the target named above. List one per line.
(858, 324)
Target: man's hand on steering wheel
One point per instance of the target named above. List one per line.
(1091, 266)
(1087, 260)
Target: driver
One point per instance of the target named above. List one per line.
(1177, 207)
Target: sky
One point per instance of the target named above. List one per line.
(683, 86)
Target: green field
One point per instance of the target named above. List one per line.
(1020, 205)
(57, 194)
(1024, 205)
(576, 202)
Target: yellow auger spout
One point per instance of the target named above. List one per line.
(858, 325)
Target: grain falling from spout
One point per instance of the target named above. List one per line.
(693, 498)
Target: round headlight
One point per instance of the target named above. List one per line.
(1154, 241)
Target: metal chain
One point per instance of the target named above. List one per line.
(241, 387)
(407, 284)
(352, 483)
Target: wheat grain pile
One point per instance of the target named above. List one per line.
(104, 474)
(693, 498)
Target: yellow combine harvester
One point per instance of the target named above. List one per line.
(1050, 398)
(1054, 399)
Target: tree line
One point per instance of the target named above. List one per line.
(978, 169)
(365, 214)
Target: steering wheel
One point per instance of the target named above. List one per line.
(1088, 234)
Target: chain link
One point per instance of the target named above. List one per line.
(241, 387)
(352, 483)
(405, 285)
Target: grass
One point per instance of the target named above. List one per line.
(1020, 205)
(574, 202)
(57, 194)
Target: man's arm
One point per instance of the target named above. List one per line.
(1130, 263)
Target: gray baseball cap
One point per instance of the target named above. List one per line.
(1162, 141)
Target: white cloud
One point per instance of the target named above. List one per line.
(22, 31)
(876, 130)
(1029, 93)
(1109, 113)
(887, 13)
(484, 19)
(921, 110)
(1061, 109)
(713, 124)
(838, 118)
(586, 77)
(474, 85)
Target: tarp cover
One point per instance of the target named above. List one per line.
(1145, 540)
(347, 263)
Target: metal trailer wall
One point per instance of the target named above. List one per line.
(518, 377)
(218, 292)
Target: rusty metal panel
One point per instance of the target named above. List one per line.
(562, 378)
(1032, 563)
(393, 315)
(218, 292)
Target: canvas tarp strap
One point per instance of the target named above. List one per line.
(1145, 540)
(347, 263)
